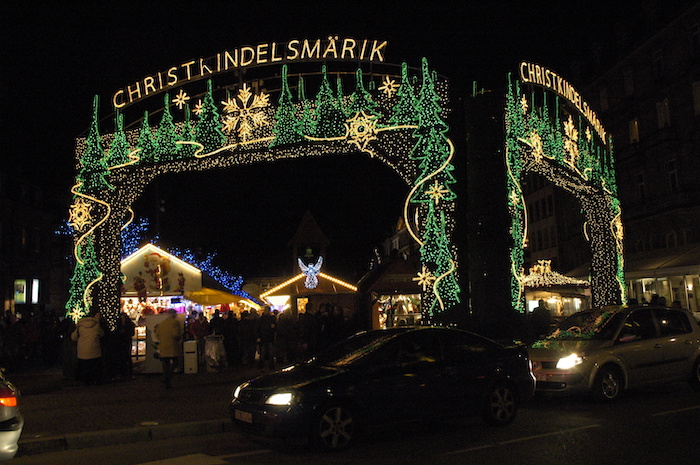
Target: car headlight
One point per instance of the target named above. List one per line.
(569, 362)
(237, 391)
(280, 398)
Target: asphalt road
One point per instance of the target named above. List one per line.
(646, 427)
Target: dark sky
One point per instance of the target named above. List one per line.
(57, 55)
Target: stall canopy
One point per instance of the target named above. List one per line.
(208, 296)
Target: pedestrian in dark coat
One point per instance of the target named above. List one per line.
(265, 337)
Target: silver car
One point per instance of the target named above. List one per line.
(11, 422)
(609, 350)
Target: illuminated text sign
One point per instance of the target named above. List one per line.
(333, 48)
(545, 77)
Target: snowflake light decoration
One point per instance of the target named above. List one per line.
(311, 271)
(80, 214)
(181, 99)
(437, 192)
(536, 144)
(198, 108)
(389, 86)
(523, 104)
(571, 141)
(425, 278)
(362, 129)
(248, 115)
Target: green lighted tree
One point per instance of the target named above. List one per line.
(285, 128)
(433, 188)
(404, 112)
(432, 148)
(208, 132)
(188, 130)
(305, 126)
(360, 99)
(330, 119)
(94, 171)
(83, 274)
(145, 142)
(119, 149)
(166, 136)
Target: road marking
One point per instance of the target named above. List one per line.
(671, 412)
(194, 459)
(526, 438)
(244, 454)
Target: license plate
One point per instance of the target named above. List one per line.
(540, 377)
(243, 416)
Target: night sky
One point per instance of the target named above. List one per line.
(57, 55)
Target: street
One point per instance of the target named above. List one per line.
(645, 427)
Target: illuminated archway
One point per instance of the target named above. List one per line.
(401, 123)
(551, 131)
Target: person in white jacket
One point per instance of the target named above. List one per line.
(87, 333)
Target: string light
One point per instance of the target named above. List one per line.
(387, 125)
(542, 137)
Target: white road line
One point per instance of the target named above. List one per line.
(671, 412)
(244, 454)
(527, 438)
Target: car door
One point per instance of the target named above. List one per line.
(639, 347)
(469, 367)
(679, 344)
(394, 385)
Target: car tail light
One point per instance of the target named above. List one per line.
(8, 397)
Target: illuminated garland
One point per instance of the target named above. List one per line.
(248, 131)
(566, 151)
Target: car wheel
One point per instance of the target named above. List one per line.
(608, 384)
(500, 405)
(334, 427)
(695, 376)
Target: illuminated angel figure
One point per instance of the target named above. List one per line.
(311, 271)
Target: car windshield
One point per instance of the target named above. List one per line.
(352, 349)
(597, 324)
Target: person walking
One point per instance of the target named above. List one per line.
(265, 337)
(169, 334)
(88, 333)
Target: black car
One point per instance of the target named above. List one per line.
(378, 377)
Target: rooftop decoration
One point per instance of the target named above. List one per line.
(542, 276)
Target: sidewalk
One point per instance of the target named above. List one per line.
(60, 413)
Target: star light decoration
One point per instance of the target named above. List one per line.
(523, 104)
(80, 214)
(425, 278)
(181, 99)
(362, 129)
(389, 86)
(437, 192)
(248, 115)
(536, 144)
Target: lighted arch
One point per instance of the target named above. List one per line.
(570, 149)
(401, 124)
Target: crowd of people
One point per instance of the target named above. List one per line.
(269, 338)
(32, 340)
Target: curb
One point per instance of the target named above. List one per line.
(121, 436)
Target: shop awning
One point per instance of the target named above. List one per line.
(209, 296)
